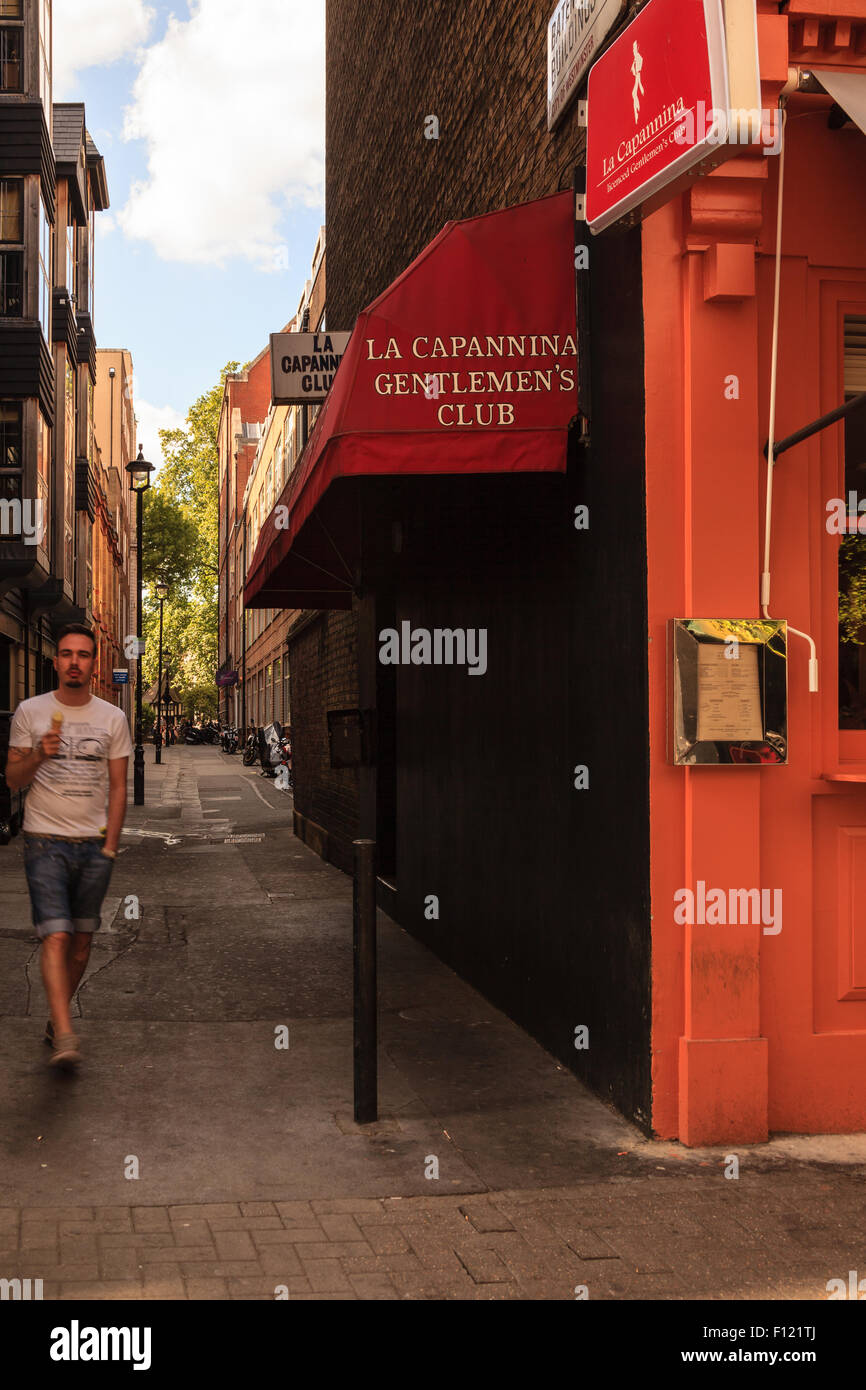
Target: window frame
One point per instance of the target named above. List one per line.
(12, 250)
(8, 27)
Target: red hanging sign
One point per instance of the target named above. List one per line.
(655, 102)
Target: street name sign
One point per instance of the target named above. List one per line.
(303, 365)
(575, 32)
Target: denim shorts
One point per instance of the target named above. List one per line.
(68, 880)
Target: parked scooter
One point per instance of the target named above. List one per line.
(269, 749)
(286, 756)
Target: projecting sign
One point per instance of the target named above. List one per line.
(303, 365)
(575, 32)
(655, 103)
(120, 677)
(226, 678)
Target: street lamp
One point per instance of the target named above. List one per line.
(162, 595)
(139, 481)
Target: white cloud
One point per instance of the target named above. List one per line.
(151, 419)
(91, 33)
(231, 105)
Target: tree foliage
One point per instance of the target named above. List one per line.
(181, 546)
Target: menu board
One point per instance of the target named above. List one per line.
(729, 697)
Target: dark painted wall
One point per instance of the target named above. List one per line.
(543, 889)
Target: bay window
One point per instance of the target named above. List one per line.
(12, 248)
(11, 59)
(10, 464)
(45, 230)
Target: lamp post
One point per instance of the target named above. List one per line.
(139, 481)
(162, 595)
(168, 657)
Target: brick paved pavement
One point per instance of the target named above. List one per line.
(543, 1188)
(776, 1234)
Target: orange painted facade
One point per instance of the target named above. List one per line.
(754, 1033)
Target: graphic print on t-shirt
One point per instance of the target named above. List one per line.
(79, 767)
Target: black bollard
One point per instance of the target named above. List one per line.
(364, 941)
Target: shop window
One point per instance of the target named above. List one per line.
(11, 67)
(852, 550)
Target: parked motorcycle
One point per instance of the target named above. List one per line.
(251, 748)
(229, 739)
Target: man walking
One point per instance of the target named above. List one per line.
(71, 748)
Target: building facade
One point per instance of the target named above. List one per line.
(47, 364)
(532, 827)
(61, 514)
(114, 539)
(257, 457)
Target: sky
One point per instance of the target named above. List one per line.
(211, 118)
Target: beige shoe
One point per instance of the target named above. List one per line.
(65, 1051)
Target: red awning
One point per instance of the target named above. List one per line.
(466, 364)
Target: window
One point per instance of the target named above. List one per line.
(278, 467)
(12, 210)
(43, 472)
(71, 276)
(12, 248)
(278, 690)
(11, 9)
(69, 476)
(269, 489)
(45, 58)
(10, 464)
(11, 68)
(44, 272)
(91, 244)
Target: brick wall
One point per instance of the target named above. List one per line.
(323, 659)
(481, 69)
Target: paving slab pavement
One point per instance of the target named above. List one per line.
(224, 935)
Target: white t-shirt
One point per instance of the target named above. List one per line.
(69, 794)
